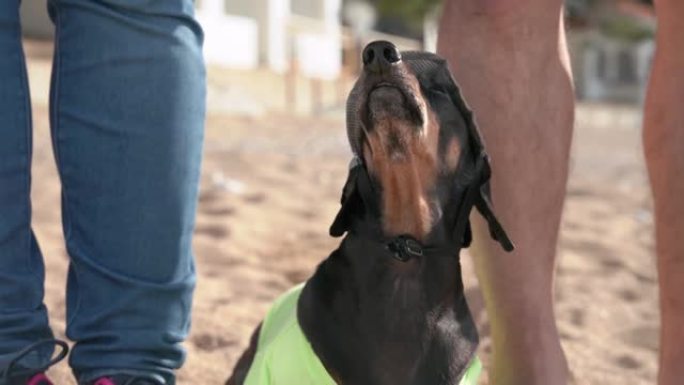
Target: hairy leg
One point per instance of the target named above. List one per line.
(664, 148)
(512, 63)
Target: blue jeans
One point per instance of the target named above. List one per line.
(127, 114)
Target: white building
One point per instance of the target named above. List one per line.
(274, 33)
(610, 69)
(246, 34)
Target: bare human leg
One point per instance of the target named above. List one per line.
(512, 63)
(664, 149)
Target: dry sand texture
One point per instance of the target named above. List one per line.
(270, 188)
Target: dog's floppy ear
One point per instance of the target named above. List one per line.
(467, 235)
(352, 200)
(483, 203)
(482, 199)
(478, 195)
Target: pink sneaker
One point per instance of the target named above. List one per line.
(39, 379)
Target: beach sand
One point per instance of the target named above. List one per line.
(271, 186)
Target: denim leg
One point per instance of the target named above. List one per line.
(127, 114)
(23, 318)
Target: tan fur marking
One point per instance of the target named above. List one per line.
(406, 178)
(431, 132)
(405, 160)
(453, 154)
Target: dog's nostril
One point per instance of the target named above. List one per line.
(391, 54)
(368, 56)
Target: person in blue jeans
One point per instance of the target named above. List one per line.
(127, 114)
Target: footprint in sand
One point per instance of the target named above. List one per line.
(628, 362)
(306, 214)
(221, 211)
(612, 264)
(276, 285)
(208, 196)
(580, 191)
(643, 337)
(222, 302)
(290, 167)
(587, 247)
(212, 231)
(629, 295)
(578, 317)
(255, 198)
(296, 276)
(208, 342)
(643, 278)
(566, 336)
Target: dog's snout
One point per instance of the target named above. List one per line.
(379, 56)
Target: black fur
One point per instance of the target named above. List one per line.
(373, 320)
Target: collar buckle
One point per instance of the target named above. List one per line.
(404, 248)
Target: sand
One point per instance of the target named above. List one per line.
(270, 188)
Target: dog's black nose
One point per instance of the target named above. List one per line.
(379, 56)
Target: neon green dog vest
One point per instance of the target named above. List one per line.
(285, 357)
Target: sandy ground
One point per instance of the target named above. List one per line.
(270, 187)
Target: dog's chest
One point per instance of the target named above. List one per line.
(394, 337)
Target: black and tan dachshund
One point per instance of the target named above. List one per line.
(387, 307)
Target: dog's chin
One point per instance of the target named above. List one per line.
(385, 97)
(388, 102)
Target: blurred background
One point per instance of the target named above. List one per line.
(276, 158)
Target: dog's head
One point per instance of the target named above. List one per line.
(420, 159)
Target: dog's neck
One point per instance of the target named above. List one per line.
(405, 202)
(405, 175)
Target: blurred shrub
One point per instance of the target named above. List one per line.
(625, 28)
